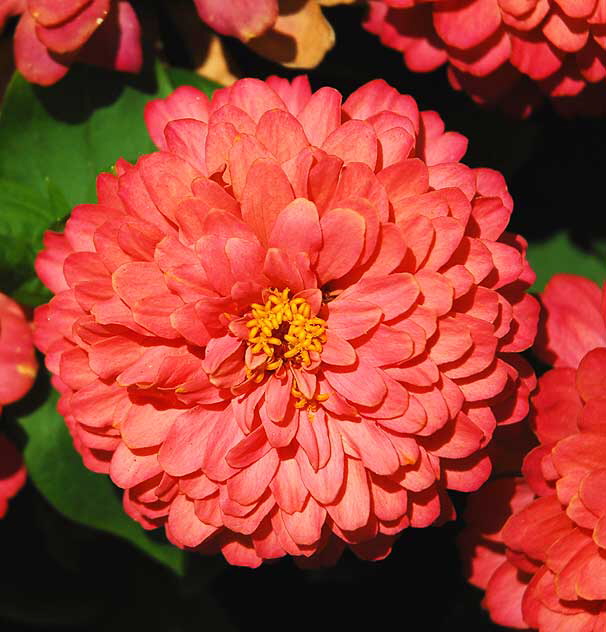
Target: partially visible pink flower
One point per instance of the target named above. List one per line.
(510, 52)
(18, 369)
(574, 320)
(545, 565)
(486, 555)
(295, 326)
(295, 34)
(18, 365)
(51, 35)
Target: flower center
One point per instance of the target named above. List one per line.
(284, 329)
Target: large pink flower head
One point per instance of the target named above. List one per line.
(504, 51)
(295, 325)
(18, 368)
(543, 558)
(52, 34)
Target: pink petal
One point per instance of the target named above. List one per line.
(255, 97)
(287, 270)
(186, 138)
(351, 319)
(305, 526)
(533, 56)
(185, 102)
(321, 115)
(243, 19)
(287, 487)
(184, 525)
(313, 439)
(266, 193)
(351, 509)
(337, 351)
(277, 396)
(181, 452)
(591, 375)
(362, 385)
(297, 228)
(456, 440)
(405, 179)
(385, 345)
(128, 469)
(167, 179)
(357, 180)
(73, 33)
(32, 58)
(504, 594)
(372, 446)
(394, 294)
(281, 134)
(252, 448)
(353, 141)
(343, 240)
(50, 12)
(280, 434)
(248, 485)
(325, 483)
(466, 26)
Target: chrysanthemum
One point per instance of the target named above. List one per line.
(294, 326)
(50, 36)
(541, 558)
(507, 51)
(18, 369)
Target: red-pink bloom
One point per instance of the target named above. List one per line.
(504, 51)
(544, 564)
(52, 34)
(18, 369)
(293, 327)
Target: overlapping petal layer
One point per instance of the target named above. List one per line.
(544, 565)
(18, 368)
(504, 51)
(50, 36)
(293, 327)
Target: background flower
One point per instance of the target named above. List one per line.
(18, 369)
(508, 52)
(293, 327)
(541, 561)
(50, 36)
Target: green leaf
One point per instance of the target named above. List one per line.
(25, 214)
(79, 494)
(559, 254)
(68, 133)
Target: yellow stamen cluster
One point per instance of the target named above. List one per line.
(302, 401)
(284, 329)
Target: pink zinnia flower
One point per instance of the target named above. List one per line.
(541, 558)
(18, 368)
(504, 51)
(293, 327)
(52, 34)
